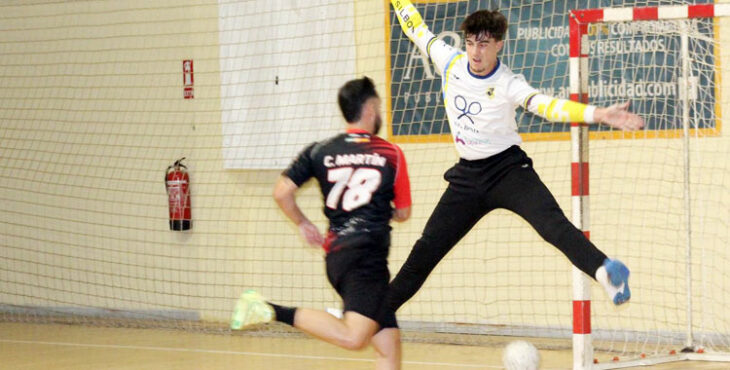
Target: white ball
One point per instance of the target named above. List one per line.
(521, 355)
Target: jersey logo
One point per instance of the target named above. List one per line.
(459, 140)
(354, 138)
(490, 92)
(470, 109)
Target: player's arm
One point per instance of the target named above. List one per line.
(562, 110)
(618, 116)
(284, 194)
(412, 24)
(416, 30)
(402, 214)
(402, 189)
(285, 190)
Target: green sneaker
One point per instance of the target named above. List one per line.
(251, 309)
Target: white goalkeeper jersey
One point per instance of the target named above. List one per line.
(480, 109)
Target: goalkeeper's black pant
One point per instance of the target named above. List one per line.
(506, 180)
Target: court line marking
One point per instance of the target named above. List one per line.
(262, 354)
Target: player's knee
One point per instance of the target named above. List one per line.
(355, 342)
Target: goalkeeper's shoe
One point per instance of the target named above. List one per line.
(251, 309)
(614, 276)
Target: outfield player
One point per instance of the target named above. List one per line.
(480, 97)
(360, 175)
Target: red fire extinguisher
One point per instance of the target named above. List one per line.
(177, 183)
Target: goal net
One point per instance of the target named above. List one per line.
(99, 98)
(658, 197)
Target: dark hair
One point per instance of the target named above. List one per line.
(353, 95)
(490, 23)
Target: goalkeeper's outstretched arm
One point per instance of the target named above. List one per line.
(412, 24)
(562, 110)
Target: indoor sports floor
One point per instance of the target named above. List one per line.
(61, 347)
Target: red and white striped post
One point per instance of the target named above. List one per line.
(579, 20)
(582, 348)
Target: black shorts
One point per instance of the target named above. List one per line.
(358, 270)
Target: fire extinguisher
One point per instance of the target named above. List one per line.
(177, 183)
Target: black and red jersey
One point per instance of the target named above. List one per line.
(360, 175)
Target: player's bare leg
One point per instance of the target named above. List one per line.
(353, 331)
(388, 349)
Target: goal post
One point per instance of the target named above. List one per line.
(615, 53)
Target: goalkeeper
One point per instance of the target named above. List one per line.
(480, 97)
